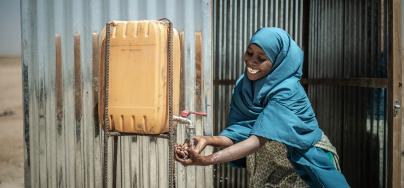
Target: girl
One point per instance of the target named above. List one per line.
(269, 106)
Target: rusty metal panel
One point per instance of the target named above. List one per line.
(60, 60)
(233, 24)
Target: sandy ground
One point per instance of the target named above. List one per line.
(11, 124)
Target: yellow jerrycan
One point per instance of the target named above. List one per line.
(137, 76)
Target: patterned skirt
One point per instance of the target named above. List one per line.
(270, 167)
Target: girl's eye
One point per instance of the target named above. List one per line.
(262, 59)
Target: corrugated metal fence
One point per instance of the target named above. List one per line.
(62, 136)
(345, 70)
(234, 23)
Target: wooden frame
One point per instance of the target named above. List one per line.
(394, 94)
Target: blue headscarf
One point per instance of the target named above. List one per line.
(276, 107)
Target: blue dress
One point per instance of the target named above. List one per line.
(277, 108)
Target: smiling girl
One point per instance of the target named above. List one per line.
(271, 120)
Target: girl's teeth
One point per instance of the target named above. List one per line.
(252, 71)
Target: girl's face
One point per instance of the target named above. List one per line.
(257, 63)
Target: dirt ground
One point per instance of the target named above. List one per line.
(11, 124)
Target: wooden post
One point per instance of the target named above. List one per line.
(394, 94)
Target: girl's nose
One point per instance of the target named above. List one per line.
(254, 61)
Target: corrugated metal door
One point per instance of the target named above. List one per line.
(352, 82)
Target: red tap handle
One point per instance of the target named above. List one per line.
(186, 113)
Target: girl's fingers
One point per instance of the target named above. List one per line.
(181, 153)
(184, 155)
(200, 144)
(184, 162)
(185, 152)
(194, 152)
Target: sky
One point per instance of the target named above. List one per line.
(10, 29)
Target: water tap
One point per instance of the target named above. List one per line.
(190, 128)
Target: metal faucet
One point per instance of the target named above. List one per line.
(190, 128)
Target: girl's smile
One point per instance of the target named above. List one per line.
(257, 63)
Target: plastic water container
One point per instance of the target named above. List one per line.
(137, 97)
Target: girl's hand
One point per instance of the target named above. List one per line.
(194, 158)
(181, 152)
(231, 153)
(188, 153)
(200, 142)
(197, 143)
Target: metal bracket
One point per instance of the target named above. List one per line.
(397, 107)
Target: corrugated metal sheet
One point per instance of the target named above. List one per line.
(62, 137)
(234, 23)
(345, 42)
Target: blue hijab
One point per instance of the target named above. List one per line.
(277, 108)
